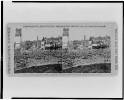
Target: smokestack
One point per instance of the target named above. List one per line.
(37, 41)
(84, 40)
(37, 38)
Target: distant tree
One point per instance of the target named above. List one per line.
(90, 39)
(28, 44)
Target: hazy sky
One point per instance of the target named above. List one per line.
(75, 33)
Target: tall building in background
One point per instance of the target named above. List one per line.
(65, 38)
(18, 36)
(43, 44)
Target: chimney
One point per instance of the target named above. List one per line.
(37, 41)
(84, 40)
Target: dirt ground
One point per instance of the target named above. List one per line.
(57, 68)
(71, 59)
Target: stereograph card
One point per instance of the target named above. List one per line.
(62, 49)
